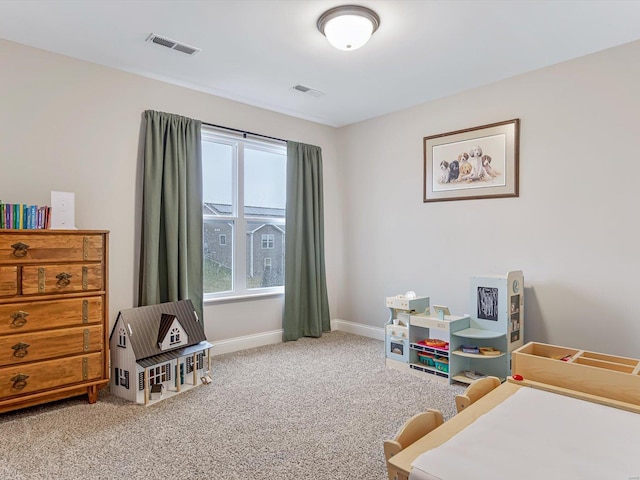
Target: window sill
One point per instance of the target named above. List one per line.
(242, 298)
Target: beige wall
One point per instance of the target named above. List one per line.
(573, 230)
(73, 126)
(69, 125)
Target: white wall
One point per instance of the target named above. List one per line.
(573, 230)
(70, 125)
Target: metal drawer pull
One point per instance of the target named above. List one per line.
(20, 249)
(20, 349)
(63, 279)
(20, 381)
(19, 318)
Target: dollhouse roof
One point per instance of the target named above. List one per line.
(144, 324)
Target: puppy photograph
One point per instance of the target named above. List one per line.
(479, 162)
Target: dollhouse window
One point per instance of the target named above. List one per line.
(122, 338)
(189, 365)
(200, 361)
(122, 377)
(175, 336)
(156, 375)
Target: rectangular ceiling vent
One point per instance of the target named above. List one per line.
(308, 91)
(172, 44)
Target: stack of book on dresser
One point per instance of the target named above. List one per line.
(22, 216)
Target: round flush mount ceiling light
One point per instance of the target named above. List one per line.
(348, 27)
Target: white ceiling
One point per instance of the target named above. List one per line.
(255, 51)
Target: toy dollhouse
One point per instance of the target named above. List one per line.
(158, 351)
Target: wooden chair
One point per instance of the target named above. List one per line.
(476, 390)
(416, 427)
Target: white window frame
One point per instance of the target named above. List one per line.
(239, 141)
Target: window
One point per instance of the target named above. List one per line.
(267, 262)
(122, 338)
(244, 188)
(121, 377)
(200, 361)
(175, 336)
(267, 240)
(158, 374)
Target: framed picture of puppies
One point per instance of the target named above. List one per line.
(479, 162)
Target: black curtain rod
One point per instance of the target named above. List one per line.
(243, 132)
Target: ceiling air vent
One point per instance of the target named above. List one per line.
(172, 44)
(308, 91)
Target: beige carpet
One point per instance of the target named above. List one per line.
(311, 409)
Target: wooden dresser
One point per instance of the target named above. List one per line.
(53, 315)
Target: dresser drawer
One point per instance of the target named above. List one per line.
(8, 281)
(37, 346)
(24, 248)
(32, 377)
(26, 317)
(61, 278)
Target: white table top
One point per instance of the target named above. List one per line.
(535, 435)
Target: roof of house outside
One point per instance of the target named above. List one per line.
(262, 225)
(223, 209)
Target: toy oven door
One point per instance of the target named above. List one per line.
(398, 348)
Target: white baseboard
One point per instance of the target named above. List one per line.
(247, 341)
(275, 336)
(358, 329)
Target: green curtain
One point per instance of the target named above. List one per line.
(171, 250)
(306, 306)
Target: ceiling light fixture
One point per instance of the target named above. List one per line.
(348, 27)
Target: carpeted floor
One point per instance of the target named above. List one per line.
(313, 409)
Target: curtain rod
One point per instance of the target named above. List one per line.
(243, 132)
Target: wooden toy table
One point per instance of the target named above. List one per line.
(613, 395)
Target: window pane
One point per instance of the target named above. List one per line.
(218, 258)
(264, 183)
(217, 178)
(262, 273)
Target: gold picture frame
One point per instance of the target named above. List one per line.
(479, 162)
